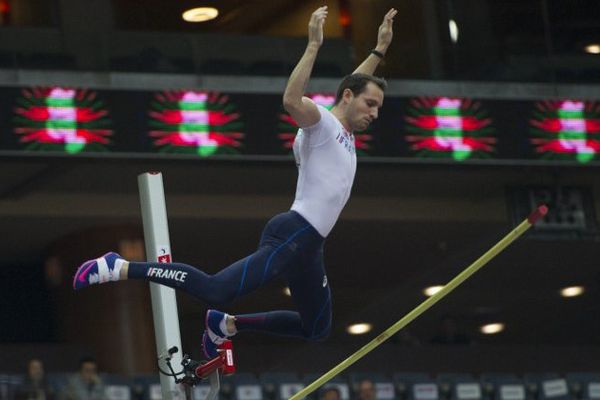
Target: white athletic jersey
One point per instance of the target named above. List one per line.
(326, 160)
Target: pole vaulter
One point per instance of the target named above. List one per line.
(291, 247)
(408, 318)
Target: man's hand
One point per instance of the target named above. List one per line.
(385, 33)
(302, 109)
(315, 26)
(384, 38)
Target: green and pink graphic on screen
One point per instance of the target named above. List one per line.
(288, 127)
(566, 130)
(62, 119)
(195, 122)
(444, 127)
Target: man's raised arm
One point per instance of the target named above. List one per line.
(302, 109)
(384, 38)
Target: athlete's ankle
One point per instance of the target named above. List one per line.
(123, 273)
(230, 325)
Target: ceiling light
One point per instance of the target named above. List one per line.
(200, 14)
(491, 329)
(359, 329)
(431, 290)
(453, 30)
(286, 291)
(572, 291)
(592, 48)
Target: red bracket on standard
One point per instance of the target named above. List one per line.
(224, 362)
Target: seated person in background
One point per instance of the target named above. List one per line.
(86, 384)
(366, 390)
(34, 386)
(331, 393)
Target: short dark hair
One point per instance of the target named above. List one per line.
(87, 359)
(357, 84)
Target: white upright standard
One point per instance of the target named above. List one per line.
(164, 302)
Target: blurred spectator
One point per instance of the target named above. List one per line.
(86, 384)
(449, 333)
(366, 390)
(331, 393)
(35, 386)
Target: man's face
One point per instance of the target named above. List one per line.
(366, 390)
(36, 370)
(364, 108)
(331, 395)
(88, 372)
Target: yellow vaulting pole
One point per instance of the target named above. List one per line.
(450, 286)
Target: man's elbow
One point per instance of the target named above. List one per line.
(290, 104)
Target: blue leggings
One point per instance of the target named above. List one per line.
(289, 248)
